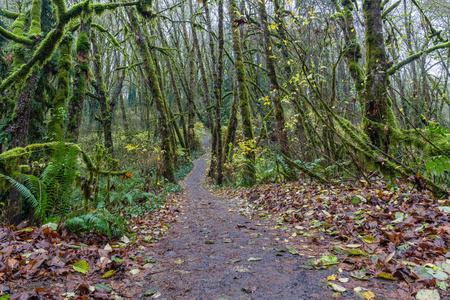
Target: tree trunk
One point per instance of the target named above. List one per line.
(249, 176)
(76, 102)
(160, 101)
(56, 125)
(218, 93)
(377, 102)
(232, 126)
(22, 111)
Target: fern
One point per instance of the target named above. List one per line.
(23, 190)
(99, 220)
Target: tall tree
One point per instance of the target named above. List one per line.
(250, 173)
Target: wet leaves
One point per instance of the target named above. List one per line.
(372, 232)
(43, 255)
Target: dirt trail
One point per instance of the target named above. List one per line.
(198, 258)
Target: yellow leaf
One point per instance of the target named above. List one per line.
(368, 295)
(109, 274)
(386, 276)
(331, 278)
(369, 239)
(81, 266)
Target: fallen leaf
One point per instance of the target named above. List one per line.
(81, 266)
(425, 294)
(368, 295)
(134, 271)
(254, 259)
(356, 252)
(359, 274)
(291, 250)
(386, 276)
(369, 239)
(241, 269)
(442, 285)
(329, 260)
(337, 287)
(109, 274)
(331, 278)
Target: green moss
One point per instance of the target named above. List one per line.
(18, 39)
(19, 24)
(111, 37)
(59, 7)
(62, 92)
(35, 13)
(82, 42)
(8, 14)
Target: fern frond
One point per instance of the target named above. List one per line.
(23, 190)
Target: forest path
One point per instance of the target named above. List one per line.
(206, 254)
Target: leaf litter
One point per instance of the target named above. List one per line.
(46, 262)
(375, 232)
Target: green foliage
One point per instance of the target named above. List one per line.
(438, 165)
(22, 190)
(50, 193)
(99, 220)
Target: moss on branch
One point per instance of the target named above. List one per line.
(8, 14)
(416, 56)
(390, 9)
(18, 39)
(35, 14)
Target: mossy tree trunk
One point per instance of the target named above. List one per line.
(281, 29)
(218, 94)
(232, 125)
(107, 103)
(176, 93)
(377, 102)
(160, 101)
(76, 101)
(21, 119)
(56, 124)
(190, 98)
(249, 176)
(352, 50)
(22, 112)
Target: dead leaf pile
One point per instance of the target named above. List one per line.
(42, 261)
(391, 234)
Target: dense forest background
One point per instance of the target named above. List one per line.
(103, 103)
